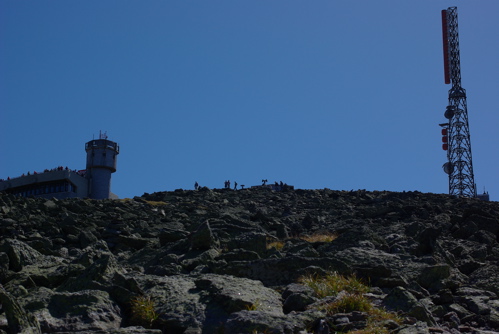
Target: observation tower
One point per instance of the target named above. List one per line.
(101, 163)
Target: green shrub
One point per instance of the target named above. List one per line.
(257, 305)
(349, 303)
(333, 283)
(143, 311)
(353, 300)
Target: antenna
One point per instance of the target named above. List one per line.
(102, 135)
(456, 133)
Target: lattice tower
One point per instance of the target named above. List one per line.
(456, 133)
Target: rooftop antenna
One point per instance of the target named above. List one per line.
(456, 133)
(102, 135)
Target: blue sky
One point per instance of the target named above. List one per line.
(318, 94)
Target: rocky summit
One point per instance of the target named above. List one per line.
(250, 261)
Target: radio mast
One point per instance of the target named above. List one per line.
(456, 133)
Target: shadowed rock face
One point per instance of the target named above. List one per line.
(216, 261)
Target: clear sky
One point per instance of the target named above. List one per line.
(339, 94)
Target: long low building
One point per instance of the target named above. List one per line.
(58, 183)
(94, 182)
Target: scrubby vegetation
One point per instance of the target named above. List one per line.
(218, 259)
(320, 237)
(143, 311)
(315, 237)
(333, 283)
(350, 293)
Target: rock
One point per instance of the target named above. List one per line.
(87, 310)
(487, 278)
(297, 297)
(202, 258)
(234, 294)
(402, 300)
(170, 234)
(19, 321)
(251, 241)
(4, 261)
(203, 238)
(19, 253)
(97, 276)
(418, 328)
(432, 277)
(259, 321)
(452, 320)
(297, 302)
(239, 254)
(193, 259)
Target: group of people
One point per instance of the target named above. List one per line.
(276, 186)
(81, 172)
(227, 184)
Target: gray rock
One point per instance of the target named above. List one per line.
(259, 321)
(123, 330)
(19, 321)
(19, 253)
(86, 238)
(442, 250)
(297, 302)
(87, 310)
(251, 241)
(203, 238)
(239, 254)
(170, 234)
(418, 328)
(432, 277)
(399, 299)
(297, 297)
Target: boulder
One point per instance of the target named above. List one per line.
(399, 299)
(201, 257)
(297, 297)
(86, 310)
(19, 321)
(19, 253)
(265, 322)
(203, 238)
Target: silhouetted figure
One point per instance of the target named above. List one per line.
(235, 185)
(196, 185)
(263, 182)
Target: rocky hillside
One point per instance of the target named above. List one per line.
(250, 261)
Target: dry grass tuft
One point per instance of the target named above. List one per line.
(316, 237)
(276, 244)
(156, 203)
(320, 237)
